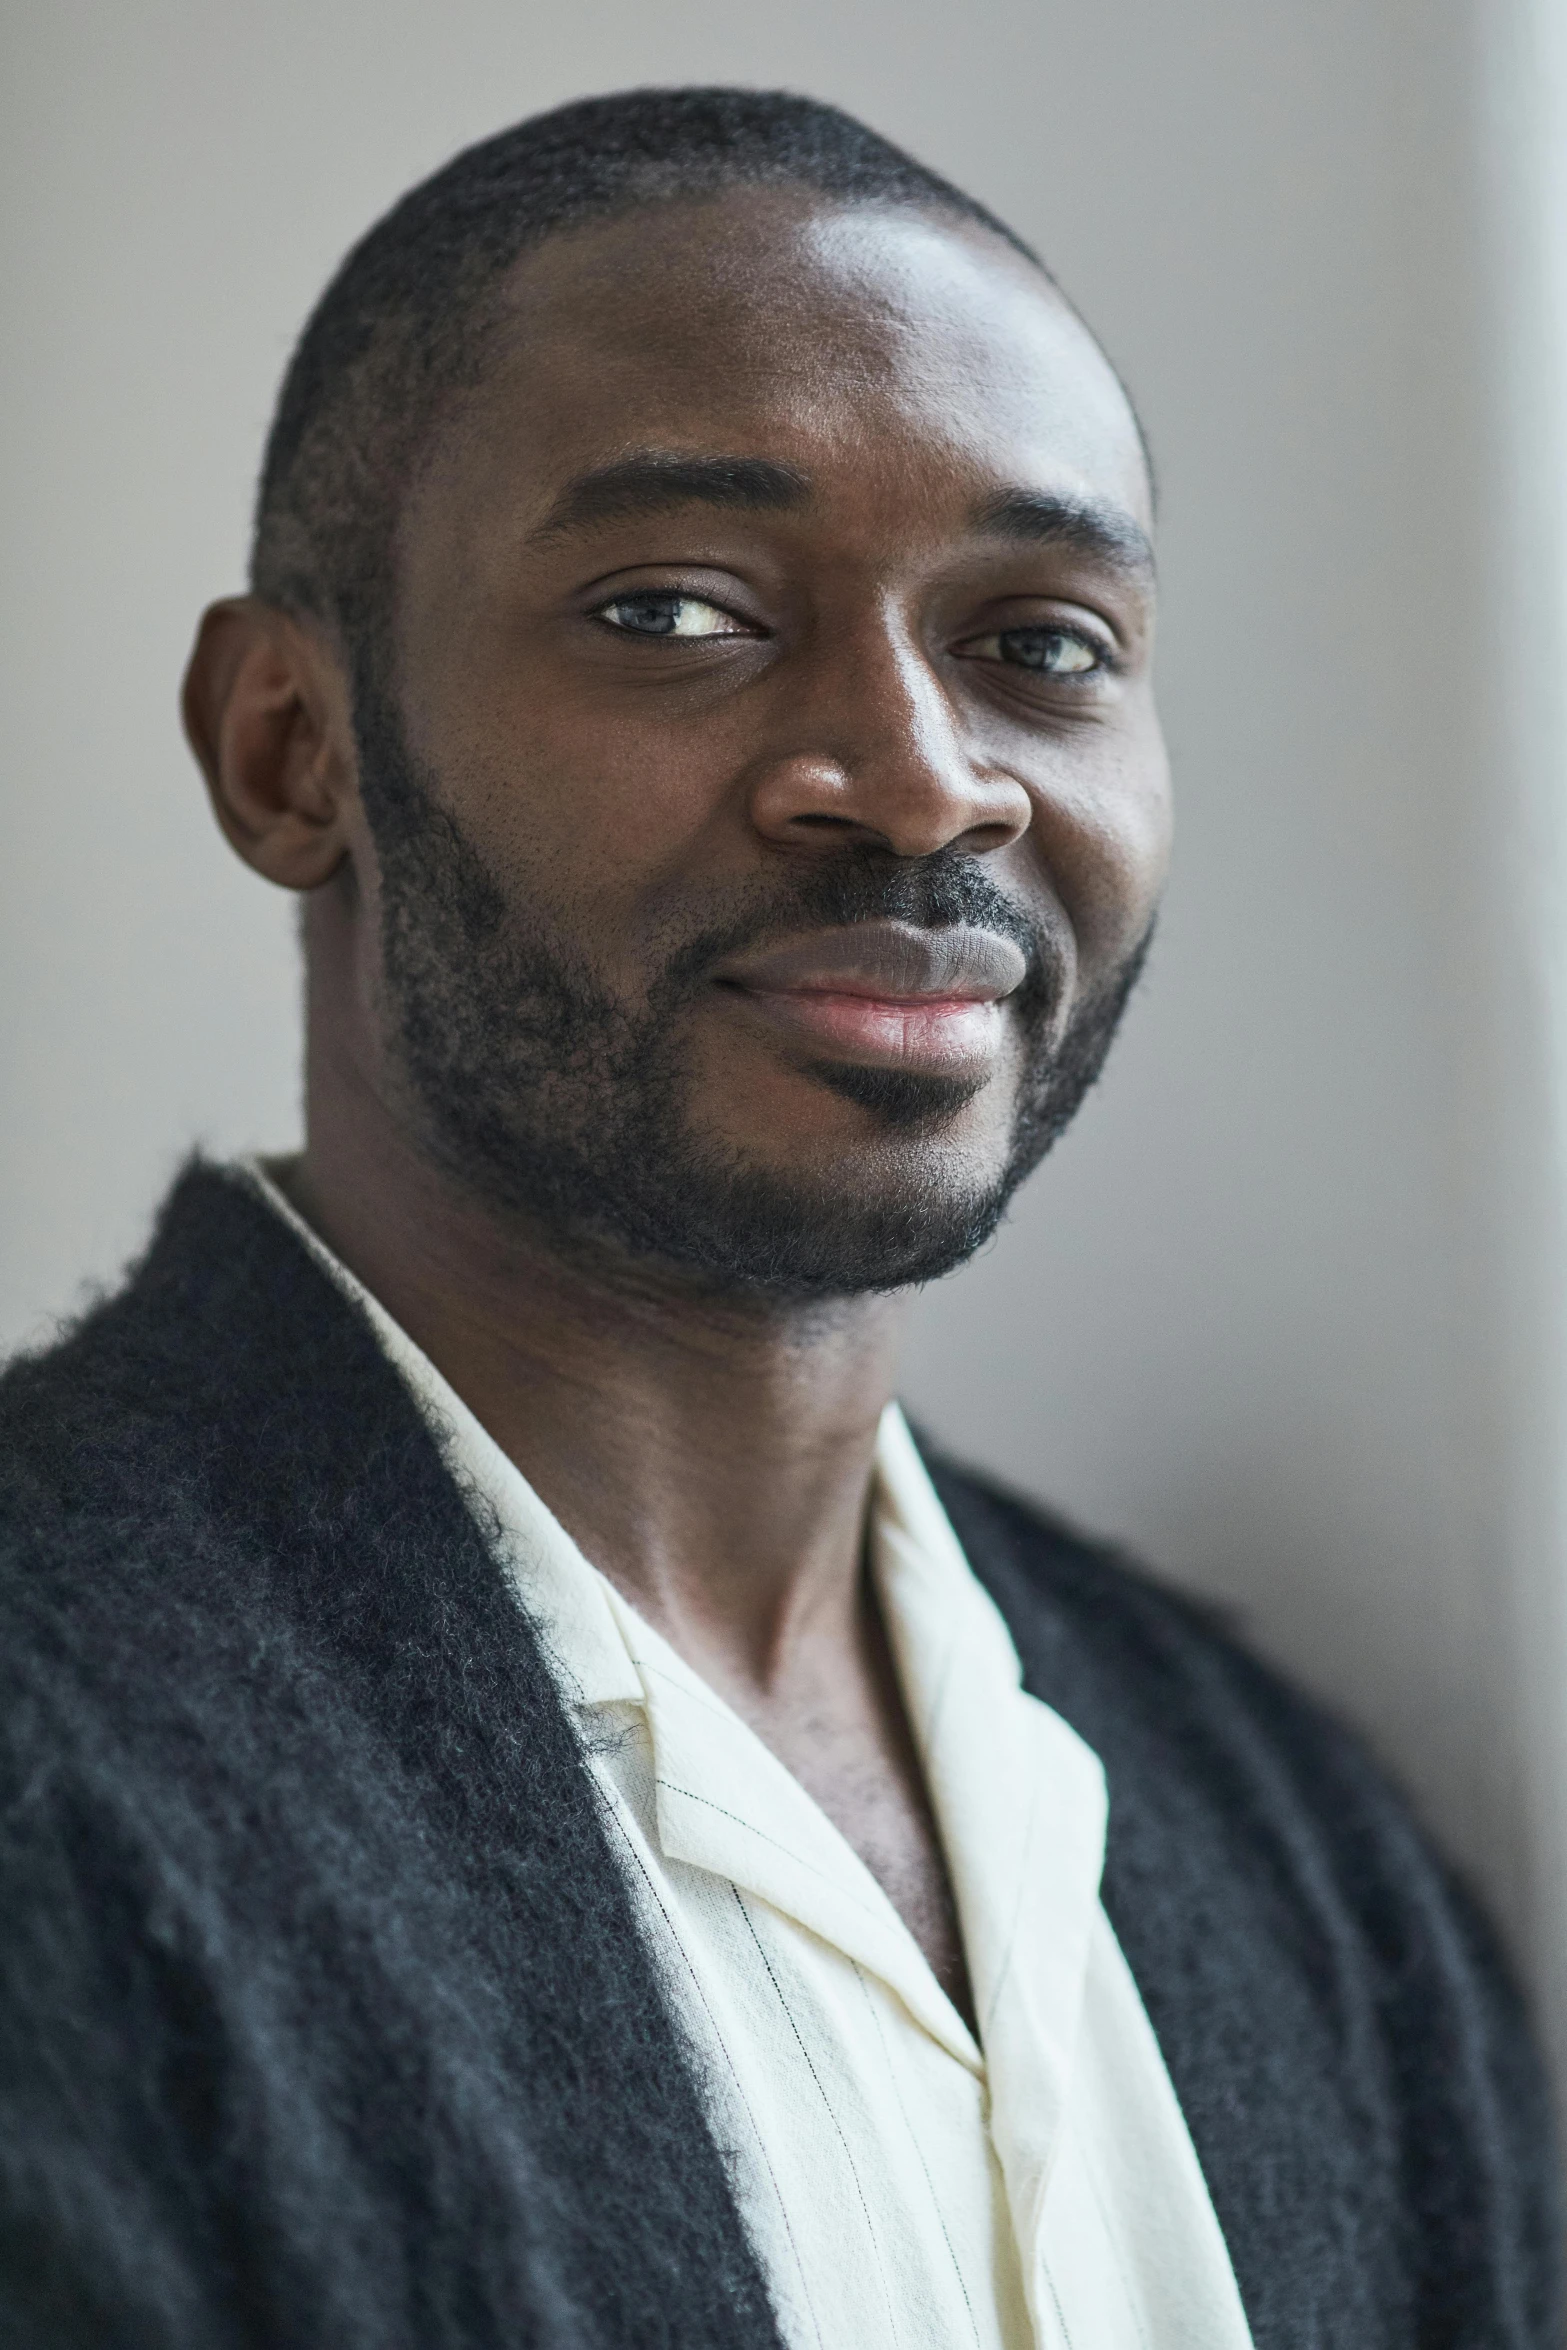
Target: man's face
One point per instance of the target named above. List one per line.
(768, 805)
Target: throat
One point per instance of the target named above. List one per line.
(837, 1721)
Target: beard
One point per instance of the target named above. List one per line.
(547, 1097)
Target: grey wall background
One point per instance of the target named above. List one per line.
(1286, 1311)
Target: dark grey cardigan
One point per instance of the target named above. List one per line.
(324, 2022)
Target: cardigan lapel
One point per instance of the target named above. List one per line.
(332, 1521)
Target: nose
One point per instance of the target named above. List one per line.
(871, 752)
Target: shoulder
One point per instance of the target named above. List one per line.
(178, 1485)
(1343, 2032)
(1219, 1767)
(1162, 1684)
(88, 1420)
(225, 1376)
(103, 1436)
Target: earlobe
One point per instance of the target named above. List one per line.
(267, 715)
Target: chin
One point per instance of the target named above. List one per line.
(900, 1099)
(854, 1222)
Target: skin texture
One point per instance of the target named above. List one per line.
(858, 687)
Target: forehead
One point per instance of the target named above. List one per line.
(893, 346)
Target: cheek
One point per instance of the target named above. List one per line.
(610, 857)
(570, 821)
(1104, 834)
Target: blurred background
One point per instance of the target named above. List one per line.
(1287, 1313)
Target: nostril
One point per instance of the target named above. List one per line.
(839, 823)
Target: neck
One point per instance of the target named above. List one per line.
(712, 1456)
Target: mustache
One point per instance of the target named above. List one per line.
(865, 884)
(859, 883)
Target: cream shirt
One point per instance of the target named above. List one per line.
(906, 2187)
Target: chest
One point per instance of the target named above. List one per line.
(877, 2160)
(849, 1747)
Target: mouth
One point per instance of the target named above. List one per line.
(887, 994)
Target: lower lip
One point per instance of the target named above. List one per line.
(943, 1035)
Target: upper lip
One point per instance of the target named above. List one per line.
(896, 961)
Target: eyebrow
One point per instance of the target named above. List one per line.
(657, 481)
(1092, 527)
(654, 481)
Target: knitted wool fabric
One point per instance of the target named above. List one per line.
(324, 2019)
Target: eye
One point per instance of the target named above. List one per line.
(667, 612)
(1049, 651)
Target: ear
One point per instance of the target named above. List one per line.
(267, 713)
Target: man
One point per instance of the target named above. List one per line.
(530, 1817)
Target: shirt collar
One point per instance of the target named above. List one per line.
(1020, 1802)
(1019, 1799)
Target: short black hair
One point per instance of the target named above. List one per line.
(403, 323)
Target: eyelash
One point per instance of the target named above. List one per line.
(1105, 661)
(655, 596)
